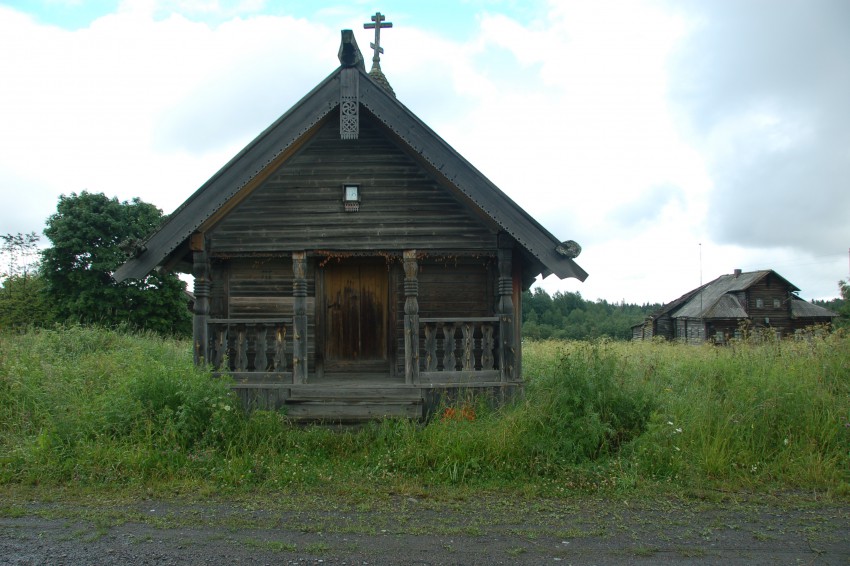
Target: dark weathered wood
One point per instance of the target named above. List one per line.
(430, 333)
(487, 346)
(411, 317)
(201, 272)
(491, 377)
(509, 345)
(472, 337)
(449, 345)
(459, 319)
(299, 336)
(247, 343)
(300, 206)
(355, 309)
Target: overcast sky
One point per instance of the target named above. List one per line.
(675, 141)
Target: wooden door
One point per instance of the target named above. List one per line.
(355, 296)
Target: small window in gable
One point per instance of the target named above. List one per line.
(776, 303)
(759, 303)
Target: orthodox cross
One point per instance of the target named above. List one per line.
(379, 22)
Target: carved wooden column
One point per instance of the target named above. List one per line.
(411, 317)
(505, 310)
(201, 272)
(299, 319)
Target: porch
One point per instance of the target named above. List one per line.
(349, 353)
(458, 355)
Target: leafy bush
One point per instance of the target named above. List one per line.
(98, 406)
(587, 408)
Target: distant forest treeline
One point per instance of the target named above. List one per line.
(568, 316)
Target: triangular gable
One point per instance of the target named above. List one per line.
(279, 141)
(714, 299)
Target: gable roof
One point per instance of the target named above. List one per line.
(712, 297)
(279, 141)
(805, 309)
(718, 299)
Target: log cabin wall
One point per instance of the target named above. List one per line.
(299, 207)
(768, 305)
(664, 327)
(261, 288)
(451, 287)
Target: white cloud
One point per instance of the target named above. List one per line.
(568, 112)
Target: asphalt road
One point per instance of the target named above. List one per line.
(407, 530)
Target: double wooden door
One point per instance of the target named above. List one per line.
(356, 300)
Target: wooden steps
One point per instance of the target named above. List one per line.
(346, 402)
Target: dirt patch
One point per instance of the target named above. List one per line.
(401, 529)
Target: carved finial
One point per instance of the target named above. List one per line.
(349, 54)
(379, 22)
(568, 249)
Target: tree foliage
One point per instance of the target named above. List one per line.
(22, 298)
(87, 232)
(842, 306)
(567, 316)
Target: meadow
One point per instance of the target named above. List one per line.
(91, 407)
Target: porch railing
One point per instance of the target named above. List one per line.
(460, 348)
(250, 347)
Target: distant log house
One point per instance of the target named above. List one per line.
(349, 264)
(761, 301)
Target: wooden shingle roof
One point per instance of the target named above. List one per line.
(289, 132)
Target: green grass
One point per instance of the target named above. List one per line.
(83, 406)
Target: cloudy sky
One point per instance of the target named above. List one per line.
(675, 141)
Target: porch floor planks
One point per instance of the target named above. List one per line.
(354, 397)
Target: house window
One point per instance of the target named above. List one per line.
(759, 303)
(776, 303)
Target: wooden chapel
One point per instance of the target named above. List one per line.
(349, 264)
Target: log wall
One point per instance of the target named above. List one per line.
(300, 206)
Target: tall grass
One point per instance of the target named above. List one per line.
(94, 406)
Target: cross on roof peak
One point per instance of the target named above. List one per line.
(379, 21)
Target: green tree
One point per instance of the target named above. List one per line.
(22, 298)
(87, 232)
(843, 309)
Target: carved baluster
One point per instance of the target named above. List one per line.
(440, 330)
(505, 310)
(220, 346)
(250, 345)
(487, 346)
(467, 343)
(280, 348)
(411, 317)
(299, 321)
(241, 349)
(449, 346)
(430, 347)
(261, 360)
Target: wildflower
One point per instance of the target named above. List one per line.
(679, 430)
(785, 442)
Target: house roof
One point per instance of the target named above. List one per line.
(711, 300)
(278, 142)
(717, 298)
(805, 309)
